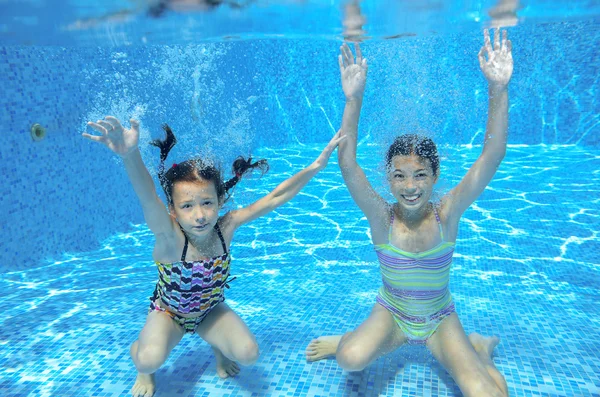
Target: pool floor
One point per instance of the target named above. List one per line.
(526, 269)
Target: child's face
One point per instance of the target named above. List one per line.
(196, 207)
(411, 181)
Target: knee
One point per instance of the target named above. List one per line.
(351, 358)
(148, 359)
(246, 353)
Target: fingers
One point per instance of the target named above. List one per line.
(337, 138)
(486, 41)
(341, 63)
(135, 124)
(106, 125)
(348, 57)
(359, 57)
(497, 39)
(481, 57)
(504, 40)
(94, 138)
(509, 47)
(342, 56)
(114, 122)
(98, 127)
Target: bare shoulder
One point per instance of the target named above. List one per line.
(227, 226)
(168, 246)
(447, 216)
(380, 225)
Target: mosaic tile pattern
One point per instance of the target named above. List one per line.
(226, 99)
(525, 269)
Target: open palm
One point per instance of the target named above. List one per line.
(498, 66)
(115, 136)
(353, 72)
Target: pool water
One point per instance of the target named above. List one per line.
(526, 269)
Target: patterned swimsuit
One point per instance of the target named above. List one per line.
(415, 286)
(191, 287)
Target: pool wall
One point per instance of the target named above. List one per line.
(66, 194)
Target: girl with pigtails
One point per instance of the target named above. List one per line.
(192, 249)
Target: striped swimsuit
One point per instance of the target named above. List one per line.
(191, 287)
(415, 286)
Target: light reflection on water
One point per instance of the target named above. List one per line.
(526, 268)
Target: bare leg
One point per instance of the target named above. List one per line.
(230, 339)
(158, 337)
(376, 336)
(484, 346)
(453, 349)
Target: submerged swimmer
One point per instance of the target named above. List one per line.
(154, 9)
(414, 238)
(192, 249)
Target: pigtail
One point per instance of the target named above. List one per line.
(242, 166)
(165, 147)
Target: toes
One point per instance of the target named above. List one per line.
(222, 374)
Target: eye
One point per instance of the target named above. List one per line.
(398, 176)
(186, 206)
(207, 203)
(421, 175)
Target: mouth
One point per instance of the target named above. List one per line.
(200, 228)
(413, 198)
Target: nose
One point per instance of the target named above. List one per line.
(410, 185)
(199, 215)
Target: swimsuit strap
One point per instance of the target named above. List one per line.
(225, 282)
(391, 224)
(221, 237)
(185, 245)
(437, 218)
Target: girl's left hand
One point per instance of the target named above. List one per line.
(321, 161)
(498, 67)
(352, 72)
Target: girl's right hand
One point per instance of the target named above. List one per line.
(323, 159)
(353, 72)
(115, 136)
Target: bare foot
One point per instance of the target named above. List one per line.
(322, 347)
(144, 385)
(225, 367)
(484, 346)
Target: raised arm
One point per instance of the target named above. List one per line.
(125, 143)
(354, 75)
(497, 69)
(286, 190)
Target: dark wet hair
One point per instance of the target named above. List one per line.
(419, 145)
(196, 169)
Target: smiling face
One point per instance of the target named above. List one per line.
(196, 207)
(411, 181)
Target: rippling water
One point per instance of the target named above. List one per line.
(526, 268)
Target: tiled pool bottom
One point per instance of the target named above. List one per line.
(526, 269)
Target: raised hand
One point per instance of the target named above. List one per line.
(323, 159)
(498, 66)
(115, 136)
(353, 72)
